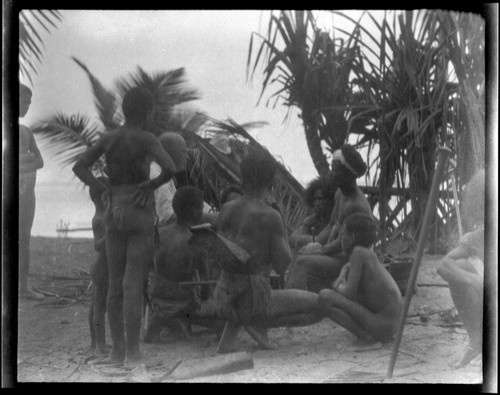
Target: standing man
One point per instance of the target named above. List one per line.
(130, 217)
(30, 160)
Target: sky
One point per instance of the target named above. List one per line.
(212, 46)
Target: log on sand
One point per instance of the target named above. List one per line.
(219, 364)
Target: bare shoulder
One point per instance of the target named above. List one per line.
(360, 253)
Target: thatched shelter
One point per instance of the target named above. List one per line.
(212, 170)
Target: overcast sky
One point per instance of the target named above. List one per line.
(211, 45)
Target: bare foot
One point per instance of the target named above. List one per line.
(102, 350)
(131, 364)
(360, 345)
(107, 362)
(29, 294)
(260, 336)
(112, 360)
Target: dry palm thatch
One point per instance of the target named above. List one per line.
(30, 43)
(211, 170)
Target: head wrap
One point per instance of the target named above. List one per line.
(350, 159)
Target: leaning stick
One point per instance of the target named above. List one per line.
(443, 154)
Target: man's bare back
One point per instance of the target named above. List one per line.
(253, 224)
(373, 278)
(129, 216)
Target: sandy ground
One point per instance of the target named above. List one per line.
(53, 337)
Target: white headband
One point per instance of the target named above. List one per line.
(338, 155)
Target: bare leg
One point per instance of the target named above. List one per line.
(91, 321)
(116, 251)
(99, 304)
(293, 307)
(27, 205)
(297, 276)
(139, 256)
(355, 317)
(321, 270)
(466, 289)
(259, 334)
(228, 338)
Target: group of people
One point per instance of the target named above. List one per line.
(162, 258)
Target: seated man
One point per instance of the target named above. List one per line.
(172, 303)
(463, 269)
(318, 264)
(254, 233)
(175, 145)
(365, 299)
(318, 196)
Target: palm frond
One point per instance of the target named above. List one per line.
(67, 136)
(169, 89)
(106, 102)
(30, 42)
(286, 191)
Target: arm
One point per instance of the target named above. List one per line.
(300, 237)
(357, 260)
(85, 162)
(200, 263)
(100, 243)
(163, 159)
(33, 161)
(280, 253)
(332, 248)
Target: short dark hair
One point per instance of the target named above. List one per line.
(258, 169)
(137, 104)
(354, 159)
(320, 182)
(363, 228)
(231, 188)
(185, 200)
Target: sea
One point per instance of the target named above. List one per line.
(62, 205)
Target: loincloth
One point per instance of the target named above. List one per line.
(122, 214)
(169, 300)
(243, 298)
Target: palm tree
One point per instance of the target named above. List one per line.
(405, 72)
(30, 42)
(69, 136)
(207, 168)
(312, 72)
(414, 82)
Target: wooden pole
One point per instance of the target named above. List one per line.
(443, 154)
(457, 208)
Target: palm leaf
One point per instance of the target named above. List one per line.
(30, 43)
(106, 103)
(67, 136)
(169, 89)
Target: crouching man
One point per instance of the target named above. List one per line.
(365, 299)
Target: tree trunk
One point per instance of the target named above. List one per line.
(314, 144)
